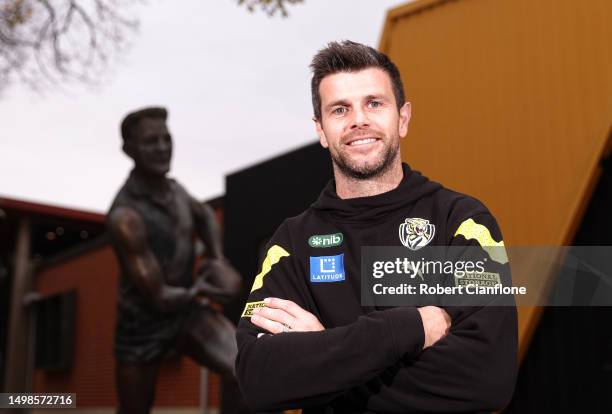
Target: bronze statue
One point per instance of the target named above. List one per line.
(161, 308)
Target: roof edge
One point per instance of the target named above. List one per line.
(29, 207)
(403, 11)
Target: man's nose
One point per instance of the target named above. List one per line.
(360, 118)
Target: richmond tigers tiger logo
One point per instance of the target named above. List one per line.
(415, 233)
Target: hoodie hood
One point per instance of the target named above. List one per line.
(412, 187)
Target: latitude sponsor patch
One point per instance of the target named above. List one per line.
(327, 268)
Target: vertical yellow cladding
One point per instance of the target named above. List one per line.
(511, 104)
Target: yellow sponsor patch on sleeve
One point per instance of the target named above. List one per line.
(272, 257)
(488, 279)
(472, 230)
(248, 308)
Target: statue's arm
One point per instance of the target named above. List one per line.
(219, 280)
(207, 228)
(129, 237)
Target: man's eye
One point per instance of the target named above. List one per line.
(374, 104)
(339, 110)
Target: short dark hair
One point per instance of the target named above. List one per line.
(348, 56)
(132, 119)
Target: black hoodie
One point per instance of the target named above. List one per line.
(368, 359)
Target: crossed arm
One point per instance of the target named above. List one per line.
(282, 315)
(469, 368)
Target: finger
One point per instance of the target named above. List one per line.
(276, 315)
(446, 316)
(448, 321)
(267, 324)
(288, 306)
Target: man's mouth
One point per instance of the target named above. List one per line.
(362, 141)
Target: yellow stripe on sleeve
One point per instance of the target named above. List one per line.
(472, 230)
(272, 257)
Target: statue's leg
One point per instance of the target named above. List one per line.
(210, 339)
(136, 387)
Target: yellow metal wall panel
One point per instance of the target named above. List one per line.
(512, 103)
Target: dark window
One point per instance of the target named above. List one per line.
(55, 331)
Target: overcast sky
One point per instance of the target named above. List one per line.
(236, 85)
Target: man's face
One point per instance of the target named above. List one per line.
(360, 123)
(151, 146)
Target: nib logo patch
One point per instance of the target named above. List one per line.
(325, 240)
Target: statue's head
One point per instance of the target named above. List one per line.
(147, 141)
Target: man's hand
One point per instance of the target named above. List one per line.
(281, 315)
(436, 324)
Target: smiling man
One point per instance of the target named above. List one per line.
(304, 338)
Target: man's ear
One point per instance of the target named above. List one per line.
(321, 133)
(405, 113)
